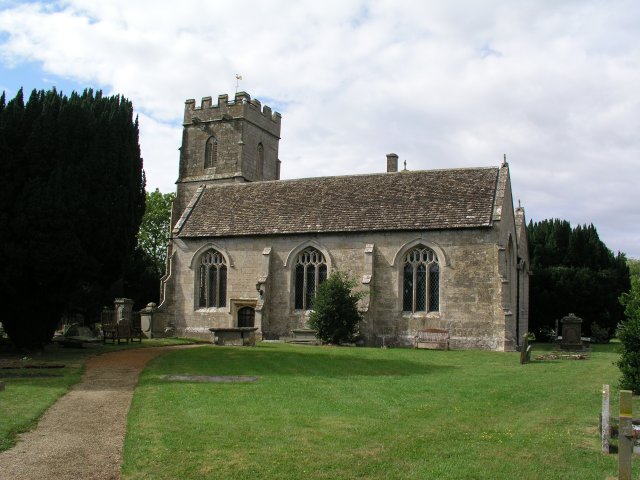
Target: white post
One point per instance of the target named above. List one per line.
(605, 428)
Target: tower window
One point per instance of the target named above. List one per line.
(260, 162)
(311, 271)
(213, 280)
(421, 281)
(211, 152)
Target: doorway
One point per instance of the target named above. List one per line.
(246, 317)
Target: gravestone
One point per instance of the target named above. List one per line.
(124, 309)
(525, 350)
(571, 333)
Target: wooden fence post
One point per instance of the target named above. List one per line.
(625, 433)
(605, 416)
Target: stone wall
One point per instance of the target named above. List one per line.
(472, 284)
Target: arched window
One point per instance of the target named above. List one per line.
(421, 281)
(213, 280)
(311, 271)
(210, 152)
(260, 162)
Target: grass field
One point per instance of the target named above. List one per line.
(26, 396)
(341, 413)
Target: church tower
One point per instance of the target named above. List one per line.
(232, 141)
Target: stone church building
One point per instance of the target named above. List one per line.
(430, 249)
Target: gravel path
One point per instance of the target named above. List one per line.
(82, 435)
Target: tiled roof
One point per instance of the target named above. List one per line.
(409, 200)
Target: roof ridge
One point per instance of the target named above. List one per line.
(354, 175)
(421, 200)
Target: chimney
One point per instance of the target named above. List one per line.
(392, 162)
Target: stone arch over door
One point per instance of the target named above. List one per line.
(246, 317)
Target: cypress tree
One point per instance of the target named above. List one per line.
(573, 271)
(72, 207)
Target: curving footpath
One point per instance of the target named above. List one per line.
(82, 435)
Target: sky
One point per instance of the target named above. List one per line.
(554, 85)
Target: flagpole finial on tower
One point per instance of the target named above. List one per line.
(238, 78)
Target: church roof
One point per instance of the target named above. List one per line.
(407, 200)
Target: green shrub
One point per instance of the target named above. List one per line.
(629, 335)
(335, 314)
(629, 363)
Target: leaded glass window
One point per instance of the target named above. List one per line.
(213, 280)
(310, 271)
(421, 281)
(210, 152)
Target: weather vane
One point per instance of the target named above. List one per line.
(238, 78)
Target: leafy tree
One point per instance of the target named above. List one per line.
(573, 271)
(71, 201)
(634, 267)
(335, 314)
(141, 280)
(629, 333)
(154, 229)
(147, 263)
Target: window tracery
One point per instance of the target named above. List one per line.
(421, 281)
(310, 272)
(212, 280)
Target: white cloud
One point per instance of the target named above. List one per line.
(443, 84)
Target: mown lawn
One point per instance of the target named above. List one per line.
(340, 413)
(30, 391)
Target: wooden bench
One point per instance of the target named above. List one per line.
(108, 326)
(433, 338)
(123, 330)
(113, 331)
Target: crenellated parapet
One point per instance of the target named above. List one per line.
(241, 107)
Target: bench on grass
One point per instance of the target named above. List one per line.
(108, 327)
(122, 329)
(433, 338)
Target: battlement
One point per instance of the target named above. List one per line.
(241, 107)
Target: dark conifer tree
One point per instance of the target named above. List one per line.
(71, 208)
(573, 271)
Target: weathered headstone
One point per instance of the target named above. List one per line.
(525, 350)
(571, 333)
(124, 308)
(146, 319)
(1, 386)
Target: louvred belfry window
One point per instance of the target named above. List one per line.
(211, 152)
(260, 162)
